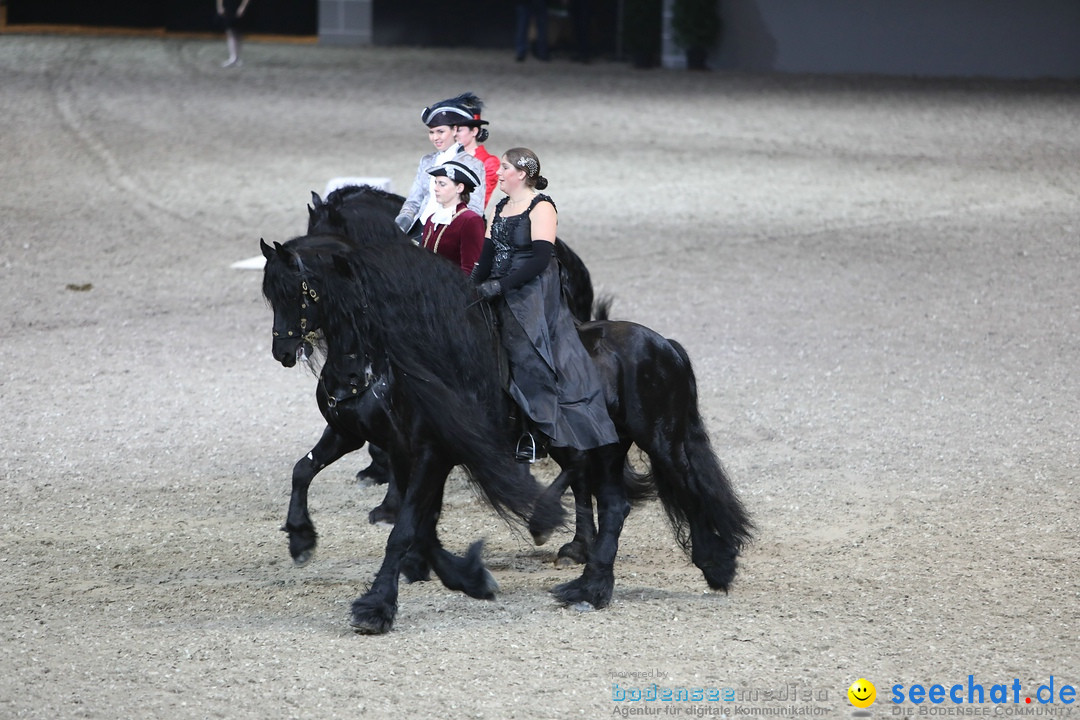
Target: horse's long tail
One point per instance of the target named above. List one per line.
(709, 520)
(602, 307)
(548, 512)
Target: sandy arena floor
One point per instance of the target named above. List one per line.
(875, 278)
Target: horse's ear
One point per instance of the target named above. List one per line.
(315, 199)
(282, 253)
(265, 248)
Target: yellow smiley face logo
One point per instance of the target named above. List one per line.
(862, 693)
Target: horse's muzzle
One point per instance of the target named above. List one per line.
(288, 351)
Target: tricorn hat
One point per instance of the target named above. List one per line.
(461, 110)
(457, 172)
(474, 105)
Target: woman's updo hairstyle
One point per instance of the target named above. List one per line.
(526, 160)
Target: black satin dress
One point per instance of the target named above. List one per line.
(552, 377)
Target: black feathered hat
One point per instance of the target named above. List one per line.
(474, 105)
(461, 110)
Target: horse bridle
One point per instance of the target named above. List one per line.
(379, 385)
(306, 291)
(355, 390)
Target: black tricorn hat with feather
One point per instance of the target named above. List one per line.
(461, 110)
(474, 105)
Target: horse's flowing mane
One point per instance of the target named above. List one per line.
(376, 196)
(416, 312)
(409, 309)
(398, 301)
(359, 213)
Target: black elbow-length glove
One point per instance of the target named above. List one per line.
(541, 256)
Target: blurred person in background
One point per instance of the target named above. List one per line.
(231, 15)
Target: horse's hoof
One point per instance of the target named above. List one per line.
(569, 593)
(302, 546)
(581, 592)
(382, 516)
(541, 538)
(362, 628)
(572, 553)
(369, 480)
(582, 607)
(371, 620)
(372, 475)
(719, 575)
(488, 589)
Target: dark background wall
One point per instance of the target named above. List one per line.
(993, 38)
(482, 23)
(962, 38)
(487, 23)
(431, 23)
(284, 17)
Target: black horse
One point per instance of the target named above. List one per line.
(362, 214)
(380, 385)
(408, 319)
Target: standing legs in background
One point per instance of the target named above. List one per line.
(526, 11)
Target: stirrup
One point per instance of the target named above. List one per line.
(526, 448)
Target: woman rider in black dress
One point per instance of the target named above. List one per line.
(552, 377)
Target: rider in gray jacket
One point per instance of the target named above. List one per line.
(440, 118)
